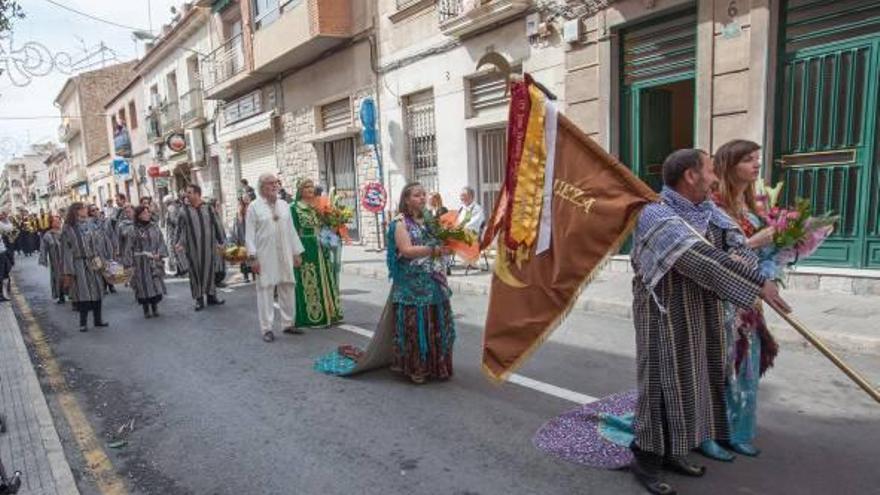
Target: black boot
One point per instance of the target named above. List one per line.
(213, 301)
(83, 321)
(200, 304)
(683, 466)
(646, 469)
(155, 308)
(96, 315)
(147, 313)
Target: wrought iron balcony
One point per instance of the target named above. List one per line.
(169, 117)
(192, 110)
(463, 17)
(76, 175)
(223, 63)
(67, 131)
(154, 127)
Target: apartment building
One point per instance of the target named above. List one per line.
(83, 131)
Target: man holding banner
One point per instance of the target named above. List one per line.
(682, 275)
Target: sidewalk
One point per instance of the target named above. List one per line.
(844, 321)
(31, 444)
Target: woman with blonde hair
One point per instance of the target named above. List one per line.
(751, 347)
(317, 291)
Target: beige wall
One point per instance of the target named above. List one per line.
(135, 94)
(731, 83)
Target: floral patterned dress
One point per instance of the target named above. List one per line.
(751, 351)
(425, 329)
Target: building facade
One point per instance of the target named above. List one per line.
(291, 77)
(799, 77)
(127, 135)
(24, 181)
(443, 119)
(84, 131)
(57, 166)
(178, 122)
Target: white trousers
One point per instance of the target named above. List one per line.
(266, 308)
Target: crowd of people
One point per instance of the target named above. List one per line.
(702, 342)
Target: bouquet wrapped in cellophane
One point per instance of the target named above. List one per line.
(798, 232)
(463, 242)
(334, 218)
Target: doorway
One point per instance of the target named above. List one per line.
(658, 104)
(491, 159)
(339, 173)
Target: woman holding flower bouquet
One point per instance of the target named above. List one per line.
(317, 290)
(425, 330)
(751, 347)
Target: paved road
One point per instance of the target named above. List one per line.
(217, 411)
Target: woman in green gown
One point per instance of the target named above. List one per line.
(317, 287)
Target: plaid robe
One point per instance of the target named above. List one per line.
(79, 244)
(198, 230)
(148, 275)
(681, 353)
(50, 257)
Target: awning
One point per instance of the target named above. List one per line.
(247, 127)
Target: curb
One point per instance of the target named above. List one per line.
(623, 310)
(62, 476)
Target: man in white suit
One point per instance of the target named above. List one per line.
(273, 249)
(470, 215)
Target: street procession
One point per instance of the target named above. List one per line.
(439, 247)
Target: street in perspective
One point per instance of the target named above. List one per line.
(465, 247)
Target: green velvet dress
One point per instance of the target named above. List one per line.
(317, 286)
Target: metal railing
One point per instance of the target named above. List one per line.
(224, 62)
(192, 106)
(169, 116)
(450, 9)
(67, 131)
(154, 126)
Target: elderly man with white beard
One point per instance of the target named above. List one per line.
(273, 249)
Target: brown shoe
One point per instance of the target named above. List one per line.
(292, 330)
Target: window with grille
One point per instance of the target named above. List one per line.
(336, 115)
(422, 138)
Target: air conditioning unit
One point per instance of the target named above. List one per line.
(572, 30)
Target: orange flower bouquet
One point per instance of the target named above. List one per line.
(461, 241)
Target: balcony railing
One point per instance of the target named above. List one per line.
(154, 127)
(67, 131)
(170, 117)
(223, 63)
(75, 176)
(463, 17)
(192, 109)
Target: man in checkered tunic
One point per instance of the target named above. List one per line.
(683, 272)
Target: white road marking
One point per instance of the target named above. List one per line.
(523, 381)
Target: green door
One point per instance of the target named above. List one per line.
(826, 140)
(657, 98)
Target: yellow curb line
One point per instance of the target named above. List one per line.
(97, 462)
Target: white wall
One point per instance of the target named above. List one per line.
(446, 74)
(198, 42)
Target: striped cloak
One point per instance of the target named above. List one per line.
(50, 257)
(147, 278)
(198, 230)
(79, 244)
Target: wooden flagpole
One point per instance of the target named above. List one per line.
(818, 344)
